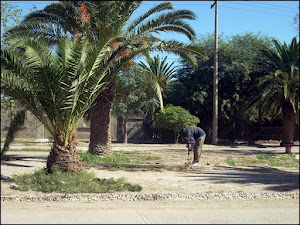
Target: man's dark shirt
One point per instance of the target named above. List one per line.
(191, 133)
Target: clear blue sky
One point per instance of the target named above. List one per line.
(271, 18)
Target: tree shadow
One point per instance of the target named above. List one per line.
(246, 151)
(31, 158)
(14, 158)
(14, 164)
(276, 179)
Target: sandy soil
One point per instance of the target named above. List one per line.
(213, 175)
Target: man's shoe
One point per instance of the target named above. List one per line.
(195, 164)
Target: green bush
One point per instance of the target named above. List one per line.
(174, 118)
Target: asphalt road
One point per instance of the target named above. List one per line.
(155, 212)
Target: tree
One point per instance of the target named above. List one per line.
(107, 20)
(158, 74)
(132, 96)
(60, 83)
(280, 88)
(10, 14)
(175, 118)
(239, 57)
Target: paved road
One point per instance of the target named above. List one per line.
(179, 212)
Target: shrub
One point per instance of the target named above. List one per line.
(174, 118)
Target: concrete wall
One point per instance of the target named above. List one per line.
(32, 127)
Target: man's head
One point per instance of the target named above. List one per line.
(180, 136)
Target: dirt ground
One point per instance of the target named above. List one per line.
(213, 175)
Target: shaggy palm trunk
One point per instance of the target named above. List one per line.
(66, 157)
(100, 134)
(288, 116)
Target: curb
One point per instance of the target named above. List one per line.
(151, 196)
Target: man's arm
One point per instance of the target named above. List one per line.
(189, 146)
(190, 142)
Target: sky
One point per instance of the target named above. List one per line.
(271, 18)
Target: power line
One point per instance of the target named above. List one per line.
(270, 5)
(260, 6)
(257, 11)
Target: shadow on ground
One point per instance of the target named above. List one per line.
(278, 180)
(14, 159)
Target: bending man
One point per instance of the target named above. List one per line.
(195, 137)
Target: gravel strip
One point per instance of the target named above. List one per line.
(160, 196)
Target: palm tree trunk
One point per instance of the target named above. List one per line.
(66, 157)
(288, 116)
(100, 134)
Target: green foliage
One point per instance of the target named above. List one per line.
(9, 13)
(119, 157)
(10, 16)
(14, 127)
(108, 21)
(116, 40)
(282, 82)
(61, 83)
(231, 162)
(132, 94)
(69, 183)
(239, 59)
(158, 74)
(174, 118)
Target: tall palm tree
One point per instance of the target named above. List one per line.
(58, 85)
(110, 20)
(158, 74)
(280, 88)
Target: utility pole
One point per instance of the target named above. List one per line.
(215, 80)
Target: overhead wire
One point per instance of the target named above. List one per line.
(279, 6)
(257, 11)
(270, 8)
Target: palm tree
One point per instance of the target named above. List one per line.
(280, 88)
(109, 20)
(58, 85)
(158, 74)
(132, 97)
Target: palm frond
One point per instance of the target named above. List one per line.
(155, 9)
